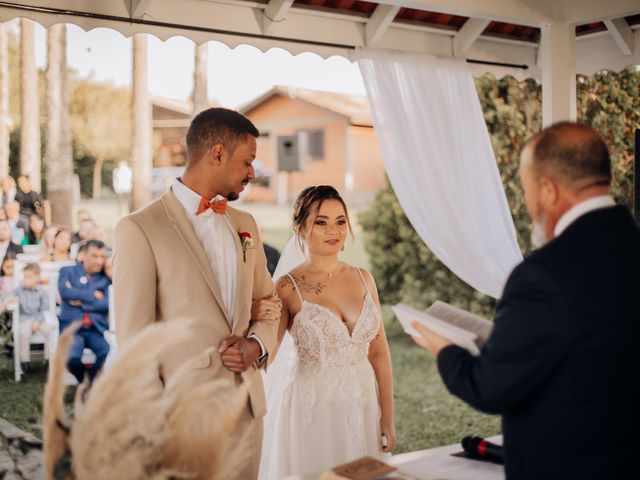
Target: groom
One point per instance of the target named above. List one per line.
(189, 256)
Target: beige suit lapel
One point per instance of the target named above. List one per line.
(241, 278)
(175, 212)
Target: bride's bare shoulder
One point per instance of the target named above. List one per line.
(285, 285)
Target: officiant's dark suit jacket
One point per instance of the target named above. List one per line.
(562, 364)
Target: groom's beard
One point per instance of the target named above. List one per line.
(539, 232)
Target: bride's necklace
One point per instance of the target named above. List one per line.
(329, 274)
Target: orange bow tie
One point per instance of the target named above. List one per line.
(218, 206)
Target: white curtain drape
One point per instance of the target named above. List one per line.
(440, 162)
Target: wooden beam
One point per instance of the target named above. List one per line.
(558, 44)
(379, 22)
(622, 34)
(468, 34)
(274, 13)
(136, 8)
(579, 12)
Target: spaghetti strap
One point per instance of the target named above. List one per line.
(363, 281)
(296, 287)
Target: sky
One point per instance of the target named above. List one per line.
(235, 76)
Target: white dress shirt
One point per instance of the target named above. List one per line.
(582, 208)
(217, 236)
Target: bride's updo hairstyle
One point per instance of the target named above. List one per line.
(309, 201)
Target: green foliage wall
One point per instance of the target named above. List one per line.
(406, 270)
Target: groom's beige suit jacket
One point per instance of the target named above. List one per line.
(162, 274)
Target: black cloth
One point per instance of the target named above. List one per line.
(561, 364)
(273, 256)
(30, 202)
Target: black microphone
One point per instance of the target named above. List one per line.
(479, 448)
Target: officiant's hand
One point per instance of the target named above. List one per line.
(238, 353)
(265, 309)
(429, 340)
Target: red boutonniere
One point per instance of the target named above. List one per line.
(247, 242)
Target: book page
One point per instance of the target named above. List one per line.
(462, 319)
(407, 315)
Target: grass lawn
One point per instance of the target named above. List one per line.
(21, 403)
(426, 414)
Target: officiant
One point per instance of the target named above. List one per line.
(560, 365)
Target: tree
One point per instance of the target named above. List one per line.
(58, 139)
(4, 102)
(101, 124)
(142, 129)
(200, 95)
(30, 118)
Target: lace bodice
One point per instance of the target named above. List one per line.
(321, 338)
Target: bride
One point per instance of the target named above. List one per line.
(336, 402)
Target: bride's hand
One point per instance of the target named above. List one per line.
(388, 430)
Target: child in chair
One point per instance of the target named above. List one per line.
(33, 301)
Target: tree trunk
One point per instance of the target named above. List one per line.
(58, 145)
(200, 94)
(142, 129)
(4, 102)
(30, 118)
(97, 177)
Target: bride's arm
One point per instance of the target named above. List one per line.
(283, 290)
(380, 359)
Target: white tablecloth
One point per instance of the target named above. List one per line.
(433, 464)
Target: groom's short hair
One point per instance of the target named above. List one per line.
(217, 125)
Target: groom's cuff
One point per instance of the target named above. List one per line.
(263, 351)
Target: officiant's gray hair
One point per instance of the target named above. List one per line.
(570, 152)
(311, 196)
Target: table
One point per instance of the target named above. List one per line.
(437, 463)
(432, 464)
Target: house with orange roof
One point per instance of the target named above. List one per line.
(332, 140)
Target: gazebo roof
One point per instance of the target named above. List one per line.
(502, 31)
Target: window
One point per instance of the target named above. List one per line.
(314, 140)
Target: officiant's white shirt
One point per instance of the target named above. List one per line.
(580, 209)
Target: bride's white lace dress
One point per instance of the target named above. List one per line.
(329, 412)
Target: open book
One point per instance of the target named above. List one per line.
(461, 327)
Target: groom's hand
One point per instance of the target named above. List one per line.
(266, 309)
(238, 353)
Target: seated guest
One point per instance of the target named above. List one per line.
(33, 301)
(83, 234)
(7, 247)
(30, 201)
(6, 275)
(36, 230)
(8, 193)
(61, 248)
(560, 365)
(47, 241)
(81, 215)
(84, 289)
(85, 225)
(272, 257)
(19, 223)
